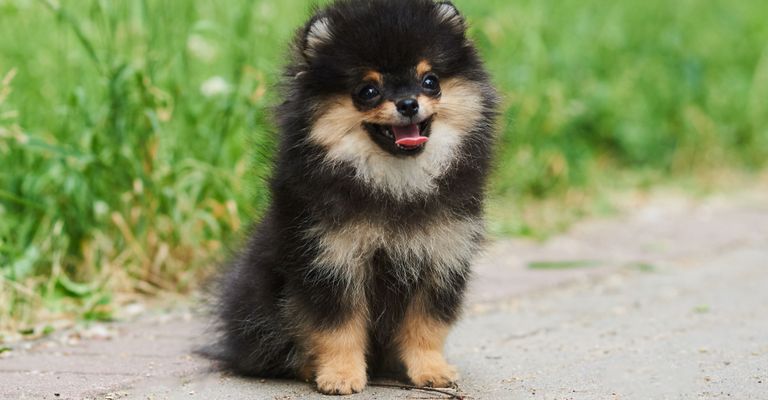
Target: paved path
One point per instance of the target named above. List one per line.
(669, 301)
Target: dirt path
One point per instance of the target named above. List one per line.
(668, 301)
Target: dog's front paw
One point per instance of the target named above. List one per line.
(346, 381)
(433, 371)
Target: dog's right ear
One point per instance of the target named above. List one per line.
(448, 13)
(316, 34)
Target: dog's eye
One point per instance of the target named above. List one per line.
(368, 93)
(430, 83)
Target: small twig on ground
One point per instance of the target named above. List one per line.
(451, 395)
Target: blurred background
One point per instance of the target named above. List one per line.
(135, 136)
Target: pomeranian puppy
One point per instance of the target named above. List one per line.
(363, 256)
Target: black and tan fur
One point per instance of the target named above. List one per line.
(362, 259)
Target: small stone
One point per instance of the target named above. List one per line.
(98, 332)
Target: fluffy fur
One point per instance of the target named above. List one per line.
(361, 261)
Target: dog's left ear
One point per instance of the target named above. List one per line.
(448, 13)
(316, 33)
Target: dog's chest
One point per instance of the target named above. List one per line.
(440, 244)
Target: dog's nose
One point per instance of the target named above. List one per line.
(408, 107)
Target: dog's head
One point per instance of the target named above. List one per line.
(395, 87)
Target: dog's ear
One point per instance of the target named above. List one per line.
(316, 33)
(448, 13)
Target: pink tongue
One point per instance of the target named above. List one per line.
(408, 135)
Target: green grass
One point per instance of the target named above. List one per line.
(135, 135)
(571, 264)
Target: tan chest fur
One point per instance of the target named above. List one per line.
(345, 252)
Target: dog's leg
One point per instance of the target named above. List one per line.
(339, 357)
(420, 341)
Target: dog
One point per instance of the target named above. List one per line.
(361, 260)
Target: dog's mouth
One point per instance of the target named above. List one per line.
(406, 138)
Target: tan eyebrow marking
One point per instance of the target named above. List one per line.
(374, 76)
(423, 67)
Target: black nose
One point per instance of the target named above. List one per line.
(408, 107)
